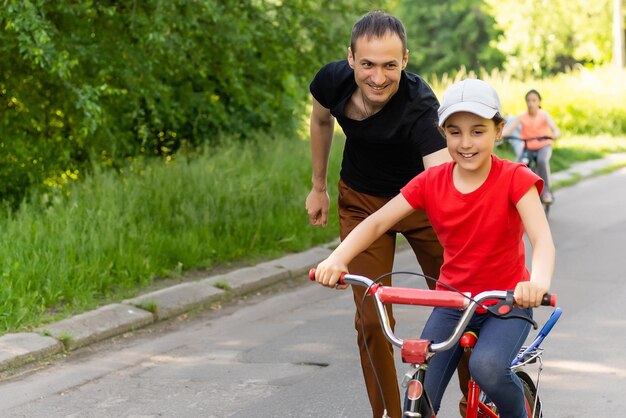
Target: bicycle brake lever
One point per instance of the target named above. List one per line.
(504, 308)
(524, 317)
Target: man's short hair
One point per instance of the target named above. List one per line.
(377, 24)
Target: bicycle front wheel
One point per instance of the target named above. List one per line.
(530, 395)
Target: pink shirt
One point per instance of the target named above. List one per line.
(481, 232)
(534, 127)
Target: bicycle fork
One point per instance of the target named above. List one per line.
(417, 403)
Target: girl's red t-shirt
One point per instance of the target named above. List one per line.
(481, 232)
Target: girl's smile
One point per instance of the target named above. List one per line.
(470, 141)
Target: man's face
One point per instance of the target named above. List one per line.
(378, 65)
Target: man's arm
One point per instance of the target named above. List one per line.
(436, 158)
(322, 127)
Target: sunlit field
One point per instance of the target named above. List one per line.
(582, 101)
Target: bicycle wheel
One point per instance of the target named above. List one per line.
(530, 394)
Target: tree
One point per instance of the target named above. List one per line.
(116, 79)
(619, 53)
(446, 35)
(525, 37)
(542, 37)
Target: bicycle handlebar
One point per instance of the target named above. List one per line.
(435, 298)
(537, 138)
(404, 296)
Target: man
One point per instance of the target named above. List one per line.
(389, 118)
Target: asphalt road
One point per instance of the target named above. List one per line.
(292, 353)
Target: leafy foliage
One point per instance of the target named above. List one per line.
(101, 82)
(117, 232)
(524, 37)
(107, 80)
(546, 37)
(450, 34)
(593, 104)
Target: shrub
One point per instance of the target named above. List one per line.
(110, 80)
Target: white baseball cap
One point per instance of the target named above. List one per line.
(470, 95)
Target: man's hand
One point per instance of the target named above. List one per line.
(317, 204)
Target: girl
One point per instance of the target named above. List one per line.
(536, 122)
(479, 207)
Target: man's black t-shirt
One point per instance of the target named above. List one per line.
(384, 151)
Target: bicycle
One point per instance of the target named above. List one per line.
(417, 352)
(529, 158)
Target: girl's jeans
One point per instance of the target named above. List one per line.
(490, 363)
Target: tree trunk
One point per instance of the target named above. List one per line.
(618, 35)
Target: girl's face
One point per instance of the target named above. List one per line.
(533, 102)
(471, 140)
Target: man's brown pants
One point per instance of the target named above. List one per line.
(377, 260)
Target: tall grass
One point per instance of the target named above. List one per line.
(112, 234)
(570, 150)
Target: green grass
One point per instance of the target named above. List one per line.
(112, 235)
(222, 284)
(106, 237)
(570, 150)
(150, 306)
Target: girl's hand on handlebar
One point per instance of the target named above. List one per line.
(328, 273)
(529, 294)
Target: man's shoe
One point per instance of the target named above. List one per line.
(547, 198)
(463, 406)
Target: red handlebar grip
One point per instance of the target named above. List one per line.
(549, 299)
(312, 276)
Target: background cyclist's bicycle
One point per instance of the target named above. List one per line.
(529, 158)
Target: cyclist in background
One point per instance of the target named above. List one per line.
(535, 123)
